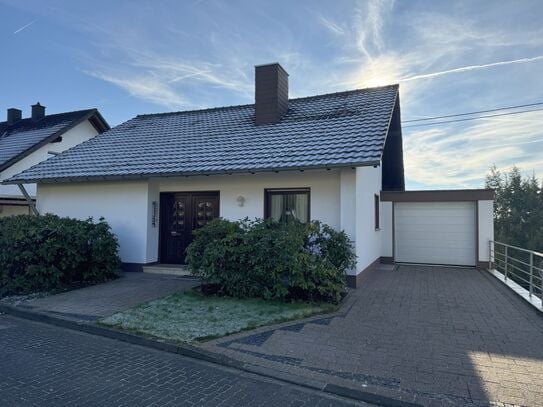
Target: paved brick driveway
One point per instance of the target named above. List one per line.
(431, 335)
(43, 365)
(94, 302)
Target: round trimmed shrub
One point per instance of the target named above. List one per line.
(264, 258)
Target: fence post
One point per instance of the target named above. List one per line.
(531, 274)
(505, 273)
(489, 255)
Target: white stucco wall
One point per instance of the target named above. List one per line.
(127, 206)
(485, 212)
(368, 241)
(324, 200)
(387, 234)
(152, 247)
(80, 133)
(342, 199)
(348, 203)
(123, 204)
(324, 187)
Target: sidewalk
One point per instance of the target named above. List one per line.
(95, 302)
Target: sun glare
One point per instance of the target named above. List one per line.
(379, 72)
(378, 80)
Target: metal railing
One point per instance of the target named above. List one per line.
(524, 267)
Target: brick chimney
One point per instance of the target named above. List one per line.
(38, 111)
(14, 115)
(271, 93)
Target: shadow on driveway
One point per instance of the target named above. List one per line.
(429, 335)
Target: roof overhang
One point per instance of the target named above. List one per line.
(98, 122)
(133, 177)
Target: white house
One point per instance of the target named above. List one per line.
(27, 142)
(334, 157)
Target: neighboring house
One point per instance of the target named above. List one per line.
(27, 142)
(330, 157)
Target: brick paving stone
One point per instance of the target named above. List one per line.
(443, 335)
(91, 303)
(44, 365)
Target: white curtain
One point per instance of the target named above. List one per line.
(300, 207)
(288, 206)
(277, 207)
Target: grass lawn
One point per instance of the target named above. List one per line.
(190, 316)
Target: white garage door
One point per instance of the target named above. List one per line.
(435, 232)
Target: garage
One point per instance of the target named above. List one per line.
(435, 232)
(441, 227)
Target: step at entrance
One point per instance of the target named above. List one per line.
(171, 269)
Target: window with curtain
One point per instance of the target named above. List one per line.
(283, 205)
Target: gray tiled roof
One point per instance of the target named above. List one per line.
(25, 135)
(333, 130)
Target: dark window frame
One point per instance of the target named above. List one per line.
(269, 192)
(376, 208)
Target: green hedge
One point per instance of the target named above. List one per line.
(263, 258)
(39, 253)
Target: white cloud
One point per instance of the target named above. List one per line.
(148, 88)
(467, 32)
(331, 26)
(460, 156)
(369, 17)
(174, 71)
(470, 68)
(166, 79)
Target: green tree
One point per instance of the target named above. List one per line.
(518, 208)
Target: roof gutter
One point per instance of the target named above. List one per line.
(29, 200)
(133, 177)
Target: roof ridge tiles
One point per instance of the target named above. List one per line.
(232, 107)
(48, 116)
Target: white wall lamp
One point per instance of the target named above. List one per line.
(240, 200)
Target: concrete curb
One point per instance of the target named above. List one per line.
(207, 356)
(504, 288)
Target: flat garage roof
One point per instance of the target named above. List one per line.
(451, 195)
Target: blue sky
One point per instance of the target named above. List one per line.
(132, 57)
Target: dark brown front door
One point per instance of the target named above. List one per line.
(180, 214)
